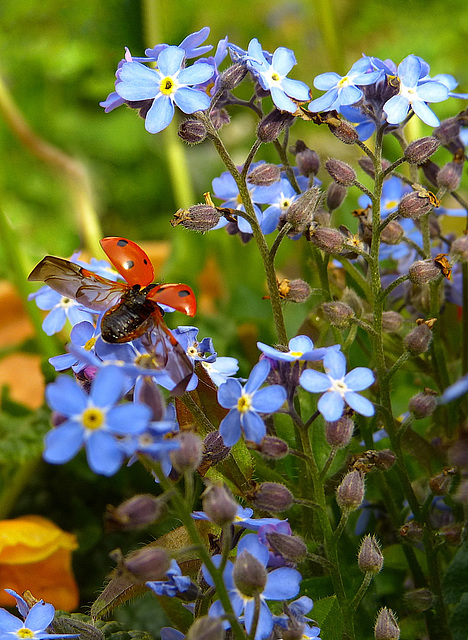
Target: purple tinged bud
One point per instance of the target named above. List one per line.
(392, 321)
(367, 165)
(344, 131)
(327, 239)
(192, 131)
(450, 175)
(232, 76)
(385, 459)
(412, 531)
(419, 599)
(430, 170)
(440, 483)
(459, 249)
(264, 175)
(301, 213)
(219, 505)
(341, 172)
(423, 272)
(448, 131)
(149, 563)
(421, 150)
(199, 217)
(336, 193)
(272, 496)
(386, 627)
(273, 124)
(271, 448)
(135, 513)
(338, 314)
(416, 204)
(190, 454)
(219, 117)
(370, 558)
(418, 340)
(338, 434)
(214, 449)
(322, 217)
(393, 233)
(350, 493)
(307, 160)
(423, 404)
(249, 575)
(206, 628)
(291, 548)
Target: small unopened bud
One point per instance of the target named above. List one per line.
(419, 599)
(423, 272)
(344, 131)
(392, 321)
(423, 404)
(418, 340)
(192, 131)
(273, 124)
(386, 627)
(341, 172)
(370, 558)
(219, 505)
(232, 76)
(367, 165)
(190, 454)
(415, 204)
(199, 217)
(307, 160)
(327, 239)
(249, 575)
(291, 548)
(350, 493)
(412, 531)
(336, 193)
(322, 217)
(206, 628)
(385, 459)
(459, 249)
(441, 482)
(214, 448)
(271, 448)
(135, 513)
(393, 233)
(300, 214)
(272, 496)
(447, 131)
(450, 175)
(219, 117)
(338, 314)
(430, 170)
(452, 533)
(294, 290)
(150, 563)
(264, 175)
(338, 434)
(421, 150)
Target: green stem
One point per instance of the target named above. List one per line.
(361, 591)
(397, 365)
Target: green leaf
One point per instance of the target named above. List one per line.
(455, 582)
(458, 619)
(328, 616)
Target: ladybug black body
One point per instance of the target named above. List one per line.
(130, 318)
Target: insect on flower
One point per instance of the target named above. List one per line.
(132, 308)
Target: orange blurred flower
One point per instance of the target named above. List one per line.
(36, 555)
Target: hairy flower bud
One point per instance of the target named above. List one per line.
(416, 204)
(214, 449)
(344, 131)
(232, 76)
(341, 172)
(307, 160)
(350, 493)
(273, 124)
(135, 513)
(300, 214)
(392, 321)
(421, 150)
(337, 313)
(393, 233)
(430, 170)
(199, 217)
(294, 290)
(459, 249)
(423, 272)
(264, 175)
(448, 131)
(190, 454)
(149, 563)
(450, 175)
(336, 193)
(367, 165)
(338, 434)
(423, 404)
(327, 239)
(249, 575)
(272, 496)
(419, 599)
(271, 448)
(219, 117)
(412, 531)
(206, 628)
(370, 558)
(192, 131)
(219, 505)
(386, 627)
(418, 340)
(291, 548)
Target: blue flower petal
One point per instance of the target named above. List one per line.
(230, 428)
(103, 453)
(350, 95)
(359, 403)
(257, 376)
(282, 584)
(190, 100)
(196, 74)
(9, 623)
(359, 378)
(128, 419)
(254, 427)
(281, 100)
(40, 616)
(425, 113)
(314, 381)
(63, 443)
(54, 321)
(265, 619)
(269, 399)
(326, 81)
(283, 60)
(108, 386)
(334, 363)
(160, 114)
(296, 89)
(66, 396)
(229, 393)
(409, 71)
(324, 102)
(170, 60)
(432, 92)
(396, 109)
(137, 82)
(331, 406)
(255, 547)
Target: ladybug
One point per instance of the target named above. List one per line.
(132, 308)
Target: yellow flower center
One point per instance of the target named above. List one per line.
(192, 352)
(25, 633)
(344, 82)
(167, 86)
(339, 386)
(90, 344)
(244, 403)
(285, 204)
(66, 302)
(391, 204)
(92, 418)
(275, 77)
(296, 354)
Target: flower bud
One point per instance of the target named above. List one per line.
(415, 204)
(232, 76)
(430, 170)
(344, 131)
(421, 150)
(385, 459)
(370, 558)
(271, 448)
(459, 249)
(440, 483)
(418, 340)
(412, 531)
(135, 513)
(219, 505)
(338, 314)
(294, 290)
(423, 404)
(350, 493)
(392, 321)
(341, 172)
(291, 548)
(300, 214)
(327, 239)
(447, 131)
(206, 628)
(199, 217)
(219, 117)
(273, 124)
(190, 454)
(272, 496)
(149, 563)
(322, 217)
(450, 175)
(249, 575)
(419, 599)
(452, 534)
(367, 165)
(393, 233)
(192, 131)
(338, 434)
(214, 449)
(264, 175)
(423, 272)
(307, 160)
(386, 627)
(336, 193)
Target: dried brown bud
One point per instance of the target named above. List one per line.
(190, 454)
(336, 193)
(291, 548)
(199, 217)
(307, 160)
(370, 558)
(350, 493)
(392, 321)
(271, 448)
(339, 433)
(192, 131)
(344, 131)
(338, 314)
(419, 599)
(423, 272)
(264, 175)
(341, 172)
(459, 249)
(149, 563)
(219, 504)
(273, 124)
(393, 233)
(415, 204)
(206, 628)
(214, 449)
(421, 150)
(232, 76)
(135, 513)
(386, 627)
(418, 340)
(423, 404)
(272, 496)
(367, 165)
(450, 175)
(249, 575)
(412, 531)
(327, 239)
(441, 482)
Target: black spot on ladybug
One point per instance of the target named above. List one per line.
(145, 261)
(129, 264)
(122, 242)
(184, 294)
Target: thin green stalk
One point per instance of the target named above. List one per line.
(465, 319)
(397, 365)
(361, 591)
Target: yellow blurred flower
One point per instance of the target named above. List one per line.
(36, 555)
